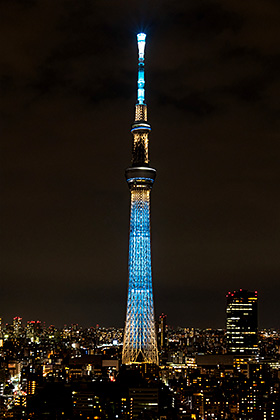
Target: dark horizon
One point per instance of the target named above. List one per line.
(68, 92)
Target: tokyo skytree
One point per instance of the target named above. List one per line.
(140, 342)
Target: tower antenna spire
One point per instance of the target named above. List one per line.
(141, 41)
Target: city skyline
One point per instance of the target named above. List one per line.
(68, 89)
(78, 374)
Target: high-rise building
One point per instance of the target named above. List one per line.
(33, 331)
(162, 332)
(140, 343)
(17, 326)
(1, 337)
(143, 400)
(242, 322)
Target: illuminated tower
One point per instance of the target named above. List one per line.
(140, 343)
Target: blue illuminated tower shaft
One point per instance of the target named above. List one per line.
(140, 344)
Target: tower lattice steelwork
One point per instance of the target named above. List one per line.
(140, 344)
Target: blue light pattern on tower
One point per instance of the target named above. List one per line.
(140, 293)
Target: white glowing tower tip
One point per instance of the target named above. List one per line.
(141, 40)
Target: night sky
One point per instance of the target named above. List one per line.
(68, 89)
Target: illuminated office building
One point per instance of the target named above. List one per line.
(242, 322)
(162, 331)
(1, 337)
(17, 326)
(140, 343)
(143, 400)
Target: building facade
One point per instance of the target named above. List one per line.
(242, 322)
(162, 331)
(140, 343)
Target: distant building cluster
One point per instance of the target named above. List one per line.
(77, 373)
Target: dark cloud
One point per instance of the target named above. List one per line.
(193, 103)
(68, 81)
